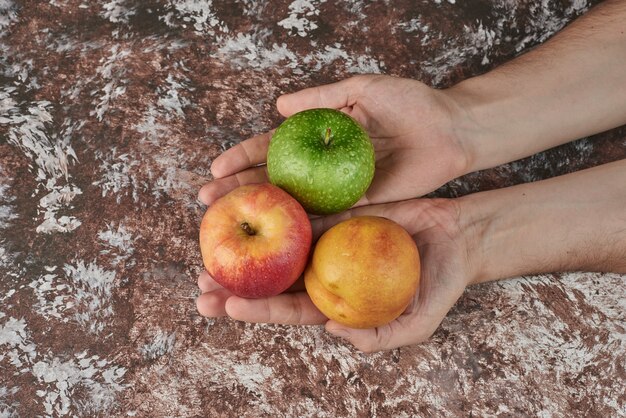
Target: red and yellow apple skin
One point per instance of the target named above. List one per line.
(255, 240)
(364, 272)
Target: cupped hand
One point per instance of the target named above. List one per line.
(443, 246)
(412, 127)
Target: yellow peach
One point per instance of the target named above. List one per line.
(364, 272)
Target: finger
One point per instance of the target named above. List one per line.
(246, 154)
(286, 308)
(397, 333)
(206, 282)
(336, 95)
(357, 113)
(322, 224)
(212, 304)
(212, 191)
(347, 110)
(412, 327)
(363, 201)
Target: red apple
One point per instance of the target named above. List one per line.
(255, 240)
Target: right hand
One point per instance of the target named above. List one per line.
(446, 269)
(412, 127)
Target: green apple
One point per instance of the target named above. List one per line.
(323, 158)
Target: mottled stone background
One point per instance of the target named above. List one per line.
(110, 115)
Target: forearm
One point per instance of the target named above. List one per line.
(568, 223)
(572, 86)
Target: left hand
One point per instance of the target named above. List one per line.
(416, 131)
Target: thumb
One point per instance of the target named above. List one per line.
(336, 95)
(397, 333)
(415, 325)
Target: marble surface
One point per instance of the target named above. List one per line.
(110, 115)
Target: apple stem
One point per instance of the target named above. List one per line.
(247, 228)
(327, 136)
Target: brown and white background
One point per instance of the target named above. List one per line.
(110, 115)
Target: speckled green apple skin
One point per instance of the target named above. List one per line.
(324, 178)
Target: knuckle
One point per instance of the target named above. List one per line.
(295, 316)
(383, 337)
(320, 96)
(248, 151)
(367, 347)
(270, 314)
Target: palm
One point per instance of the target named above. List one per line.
(409, 123)
(410, 127)
(435, 230)
(433, 224)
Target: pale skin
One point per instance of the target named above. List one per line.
(572, 86)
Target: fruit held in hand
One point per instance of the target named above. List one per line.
(364, 272)
(323, 158)
(255, 240)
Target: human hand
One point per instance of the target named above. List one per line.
(411, 126)
(433, 224)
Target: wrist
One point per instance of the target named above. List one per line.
(460, 126)
(488, 231)
(546, 97)
(475, 220)
(486, 119)
(567, 223)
